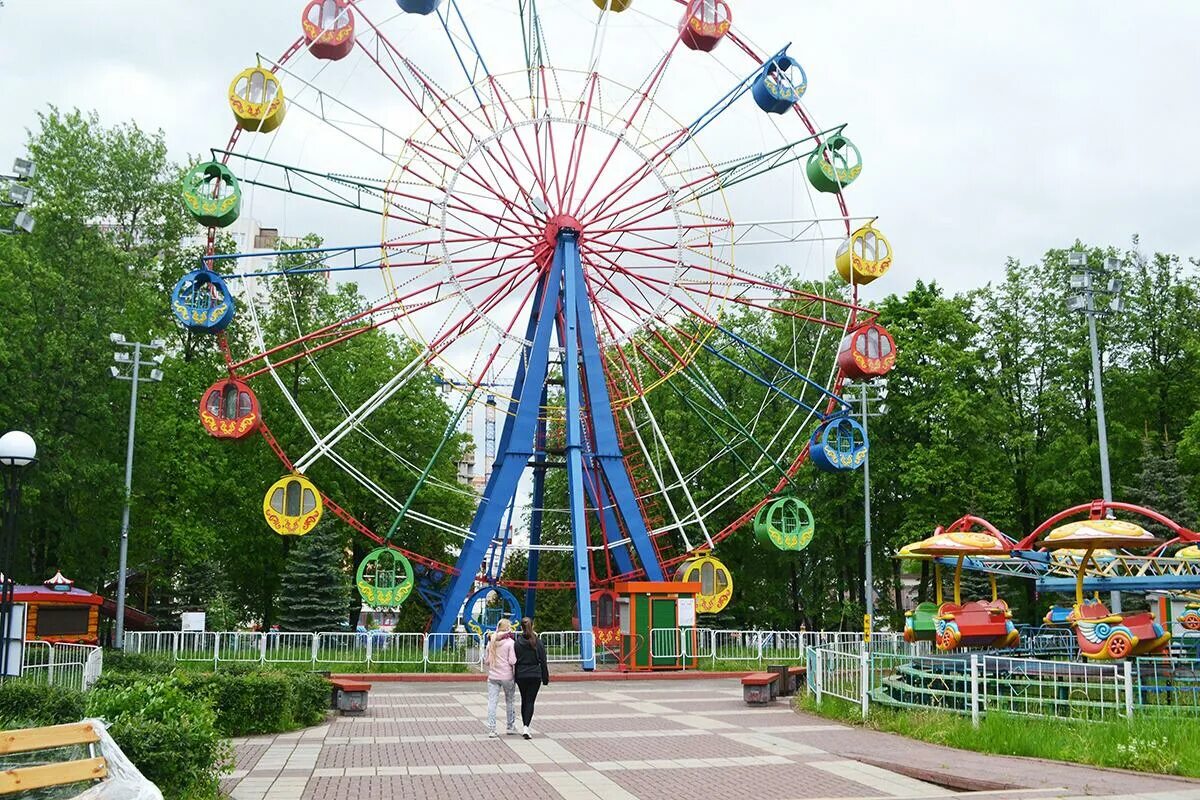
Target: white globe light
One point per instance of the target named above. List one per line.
(17, 449)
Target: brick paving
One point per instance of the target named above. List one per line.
(678, 740)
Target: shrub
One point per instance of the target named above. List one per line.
(261, 701)
(255, 702)
(24, 703)
(310, 698)
(144, 663)
(170, 734)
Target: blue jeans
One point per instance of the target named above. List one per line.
(494, 688)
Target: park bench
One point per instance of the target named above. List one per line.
(61, 773)
(349, 696)
(789, 679)
(760, 688)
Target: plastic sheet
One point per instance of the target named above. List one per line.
(124, 781)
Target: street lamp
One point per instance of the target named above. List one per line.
(17, 451)
(19, 195)
(135, 363)
(869, 392)
(1097, 293)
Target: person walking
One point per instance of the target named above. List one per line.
(532, 671)
(501, 660)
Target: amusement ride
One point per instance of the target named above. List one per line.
(576, 201)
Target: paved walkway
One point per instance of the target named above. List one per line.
(678, 740)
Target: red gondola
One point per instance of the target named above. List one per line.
(230, 410)
(867, 352)
(705, 23)
(606, 620)
(329, 29)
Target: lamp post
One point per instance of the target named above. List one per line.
(135, 363)
(17, 451)
(1088, 285)
(865, 398)
(18, 195)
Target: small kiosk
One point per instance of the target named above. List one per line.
(58, 612)
(658, 625)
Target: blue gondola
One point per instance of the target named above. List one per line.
(202, 302)
(496, 603)
(780, 85)
(419, 6)
(839, 444)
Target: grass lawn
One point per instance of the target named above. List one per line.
(1160, 744)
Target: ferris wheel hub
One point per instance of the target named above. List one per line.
(558, 223)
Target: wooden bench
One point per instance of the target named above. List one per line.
(349, 696)
(63, 773)
(796, 676)
(760, 688)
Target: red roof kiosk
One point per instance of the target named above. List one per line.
(58, 612)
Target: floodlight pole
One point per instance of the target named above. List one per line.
(135, 379)
(869, 588)
(120, 634)
(1089, 309)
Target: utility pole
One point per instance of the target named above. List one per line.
(865, 399)
(1083, 301)
(134, 361)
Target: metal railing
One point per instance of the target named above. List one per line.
(1007, 682)
(76, 666)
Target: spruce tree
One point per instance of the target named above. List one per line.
(315, 584)
(1162, 487)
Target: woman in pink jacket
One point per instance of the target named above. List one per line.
(500, 660)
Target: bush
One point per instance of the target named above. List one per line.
(261, 701)
(248, 703)
(310, 698)
(144, 663)
(24, 704)
(170, 734)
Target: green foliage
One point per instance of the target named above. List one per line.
(170, 734)
(25, 704)
(119, 661)
(1158, 744)
(245, 698)
(315, 586)
(256, 702)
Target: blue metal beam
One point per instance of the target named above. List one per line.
(604, 428)
(1139, 584)
(566, 258)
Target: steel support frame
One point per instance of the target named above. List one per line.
(522, 439)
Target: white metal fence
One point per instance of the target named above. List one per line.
(978, 683)
(389, 651)
(76, 666)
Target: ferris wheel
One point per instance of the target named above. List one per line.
(572, 209)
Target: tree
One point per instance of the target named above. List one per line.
(315, 585)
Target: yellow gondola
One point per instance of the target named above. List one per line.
(292, 506)
(864, 256)
(716, 582)
(256, 99)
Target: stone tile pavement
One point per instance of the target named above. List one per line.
(677, 740)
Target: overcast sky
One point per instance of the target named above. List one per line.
(988, 129)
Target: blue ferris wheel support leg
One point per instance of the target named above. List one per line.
(521, 440)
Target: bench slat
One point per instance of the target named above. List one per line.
(759, 678)
(26, 739)
(25, 778)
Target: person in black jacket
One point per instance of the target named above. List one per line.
(531, 670)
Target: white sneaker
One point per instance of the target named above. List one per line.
(492, 734)
(511, 732)
(525, 732)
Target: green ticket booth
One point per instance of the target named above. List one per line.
(658, 625)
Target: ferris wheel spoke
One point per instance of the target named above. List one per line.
(643, 95)
(661, 441)
(575, 160)
(360, 415)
